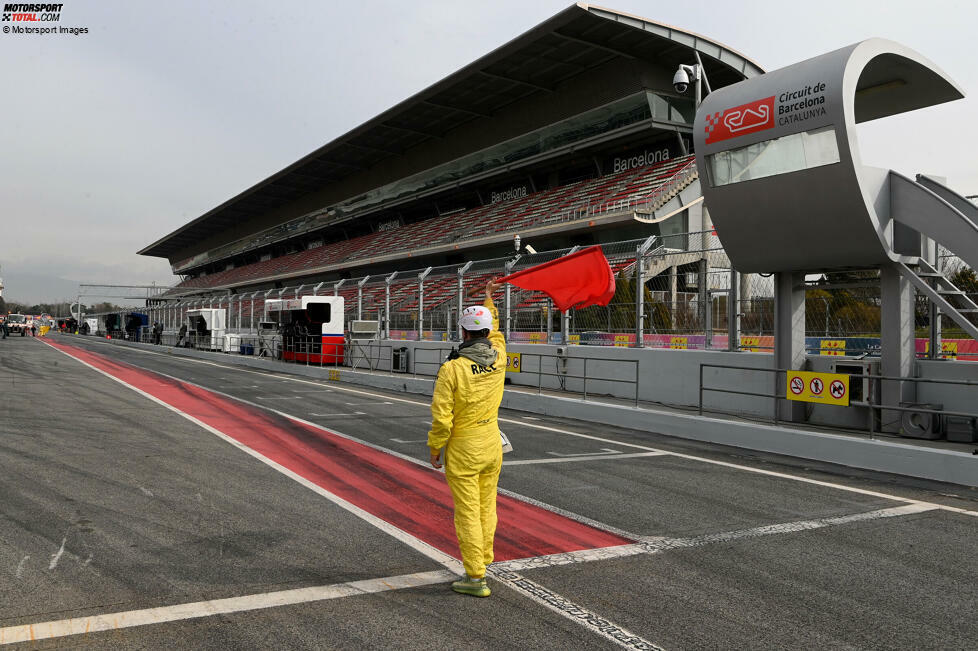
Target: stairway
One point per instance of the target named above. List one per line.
(952, 302)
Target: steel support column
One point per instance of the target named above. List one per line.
(789, 337)
(896, 343)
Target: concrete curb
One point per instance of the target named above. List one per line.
(884, 456)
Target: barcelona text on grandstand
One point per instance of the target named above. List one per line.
(32, 7)
(640, 160)
(513, 193)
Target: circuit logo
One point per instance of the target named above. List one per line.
(740, 120)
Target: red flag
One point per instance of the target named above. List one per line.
(577, 280)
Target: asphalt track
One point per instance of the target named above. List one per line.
(157, 502)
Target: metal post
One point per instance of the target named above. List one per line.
(565, 315)
(360, 297)
(932, 255)
(550, 322)
(706, 308)
(896, 343)
(387, 305)
(733, 312)
(507, 298)
(673, 295)
(640, 290)
(298, 291)
(565, 326)
(336, 287)
(315, 290)
(421, 277)
(789, 335)
(457, 336)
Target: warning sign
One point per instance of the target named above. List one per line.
(679, 343)
(823, 388)
(837, 390)
(513, 362)
(796, 385)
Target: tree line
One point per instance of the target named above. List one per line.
(61, 309)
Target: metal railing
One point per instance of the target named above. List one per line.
(875, 382)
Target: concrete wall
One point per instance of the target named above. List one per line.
(670, 377)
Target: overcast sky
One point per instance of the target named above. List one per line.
(114, 138)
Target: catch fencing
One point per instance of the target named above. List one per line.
(686, 279)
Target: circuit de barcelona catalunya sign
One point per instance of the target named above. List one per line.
(792, 106)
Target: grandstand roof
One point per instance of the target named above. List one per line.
(572, 42)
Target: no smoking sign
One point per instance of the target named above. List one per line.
(822, 388)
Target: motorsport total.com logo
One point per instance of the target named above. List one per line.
(31, 13)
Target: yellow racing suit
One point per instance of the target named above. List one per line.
(464, 413)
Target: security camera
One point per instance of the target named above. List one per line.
(680, 80)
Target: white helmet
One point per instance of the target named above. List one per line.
(476, 317)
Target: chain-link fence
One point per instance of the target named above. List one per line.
(672, 291)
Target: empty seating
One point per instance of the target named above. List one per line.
(570, 201)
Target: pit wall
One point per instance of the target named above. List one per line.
(672, 377)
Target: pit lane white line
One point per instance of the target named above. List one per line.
(178, 612)
(582, 457)
(355, 413)
(604, 451)
(659, 544)
(556, 603)
(726, 464)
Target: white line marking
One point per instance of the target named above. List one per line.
(55, 557)
(574, 612)
(403, 441)
(20, 567)
(354, 413)
(146, 616)
(362, 404)
(659, 544)
(736, 466)
(782, 528)
(573, 458)
(278, 397)
(604, 452)
(570, 558)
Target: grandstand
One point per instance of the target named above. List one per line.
(565, 136)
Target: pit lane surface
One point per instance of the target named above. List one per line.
(115, 504)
